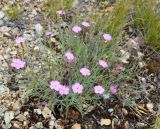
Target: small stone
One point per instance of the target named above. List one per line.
(149, 107)
(105, 122)
(1, 14)
(51, 123)
(16, 106)
(17, 112)
(34, 12)
(76, 126)
(39, 29)
(3, 90)
(2, 110)
(1, 22)
(29, 35)
(141, 64)
(106, 96)
(46, 112)
(140, 54)
(21, 117)
(124, 111)
(32, 127)
(126, 125)
(15, 31)
(17, 124)
(152, 87)
(125, 56)
(115, 122)
(38, 111)
(4, 29)
(39, 125)
(8, 116)
(36, 48)
(110, 110)
(141, 125)
(26, 113)
(26, 123)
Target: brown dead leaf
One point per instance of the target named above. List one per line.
(73, 114)
(63, 122)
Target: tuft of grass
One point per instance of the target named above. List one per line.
(147, 20)
(51, 6)
(115, 19)
(15, 12)
(157, 123)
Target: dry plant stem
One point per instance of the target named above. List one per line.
(23, 51)
(6, 61)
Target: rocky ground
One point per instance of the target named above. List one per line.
(18, 112)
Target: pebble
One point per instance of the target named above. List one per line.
(1, 14)
(29, 35)
(34, 12)
(17, 112)
(124, 111)
(15, 31)
(1, 22)
(38, 111)
(26, 113)
(21, 117)
(51, 123)
(13, 52)
(26, 123)
(149, 106)
(39, 125)
(17, 124)
(110, 110)
(16, 106)
(105, 122)
(8, 116)
(46, 112)
(2, 110)
(4, 29)
(76, 126)
(39, 29)
(141, 125)
(3, 90)
(106, 96)
(32, 127)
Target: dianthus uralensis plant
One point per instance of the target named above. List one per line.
(83, 73)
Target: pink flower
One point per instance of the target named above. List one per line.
(107, 37)
(85, 71)
(103, 64)
(86, 24)
(77, 88)
(133, 42)
(98, 89)
(64, 90)
(48, 33)
(60, 12)
(20, 40)
(55, 85)
(69, 56)
(76, 29)
(113, 89)
(17, 63)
